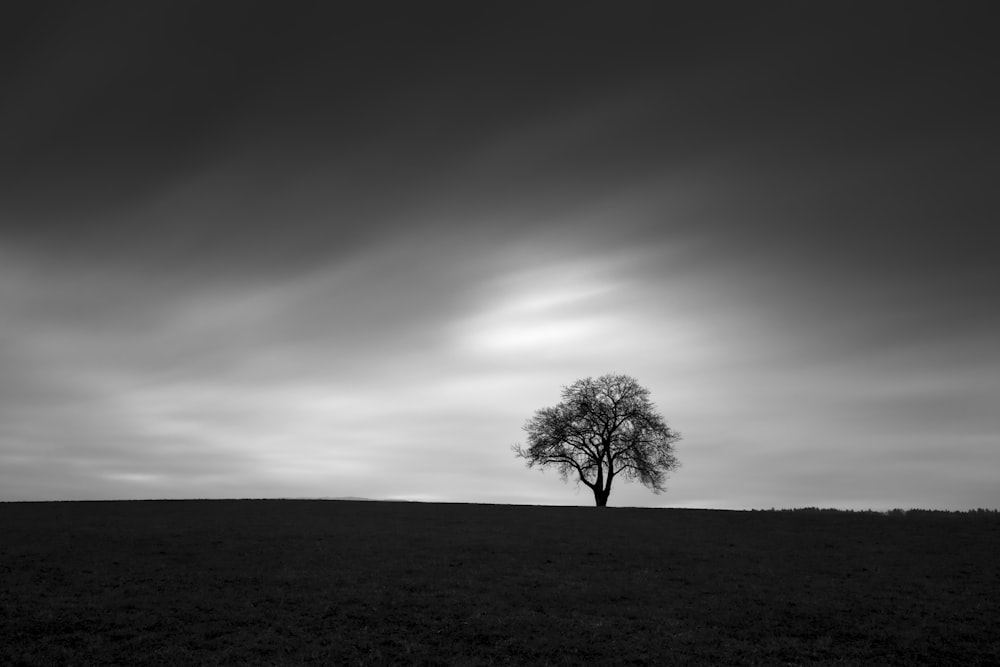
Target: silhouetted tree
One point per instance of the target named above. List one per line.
(603, 428)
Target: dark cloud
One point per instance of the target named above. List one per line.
(373, 108)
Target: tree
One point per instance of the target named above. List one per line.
(603, 428)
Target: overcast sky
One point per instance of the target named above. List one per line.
(306, 249)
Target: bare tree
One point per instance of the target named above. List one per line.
(603, 428)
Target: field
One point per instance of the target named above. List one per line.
(366, 583)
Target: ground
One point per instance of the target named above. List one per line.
(341, 582)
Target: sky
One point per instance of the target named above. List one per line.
(306, 249)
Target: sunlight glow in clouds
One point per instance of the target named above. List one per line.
(555, 309)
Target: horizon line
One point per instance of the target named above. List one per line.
(971, 510)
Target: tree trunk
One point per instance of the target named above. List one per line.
(601, 497)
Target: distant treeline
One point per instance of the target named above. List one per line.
(893, 512)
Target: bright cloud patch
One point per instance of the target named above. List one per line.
(555, 310)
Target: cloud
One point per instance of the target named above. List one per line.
(352, 260)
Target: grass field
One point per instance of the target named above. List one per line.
(338, 582)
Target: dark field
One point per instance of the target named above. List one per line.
(337, 582)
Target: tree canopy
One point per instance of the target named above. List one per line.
(603, 428)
